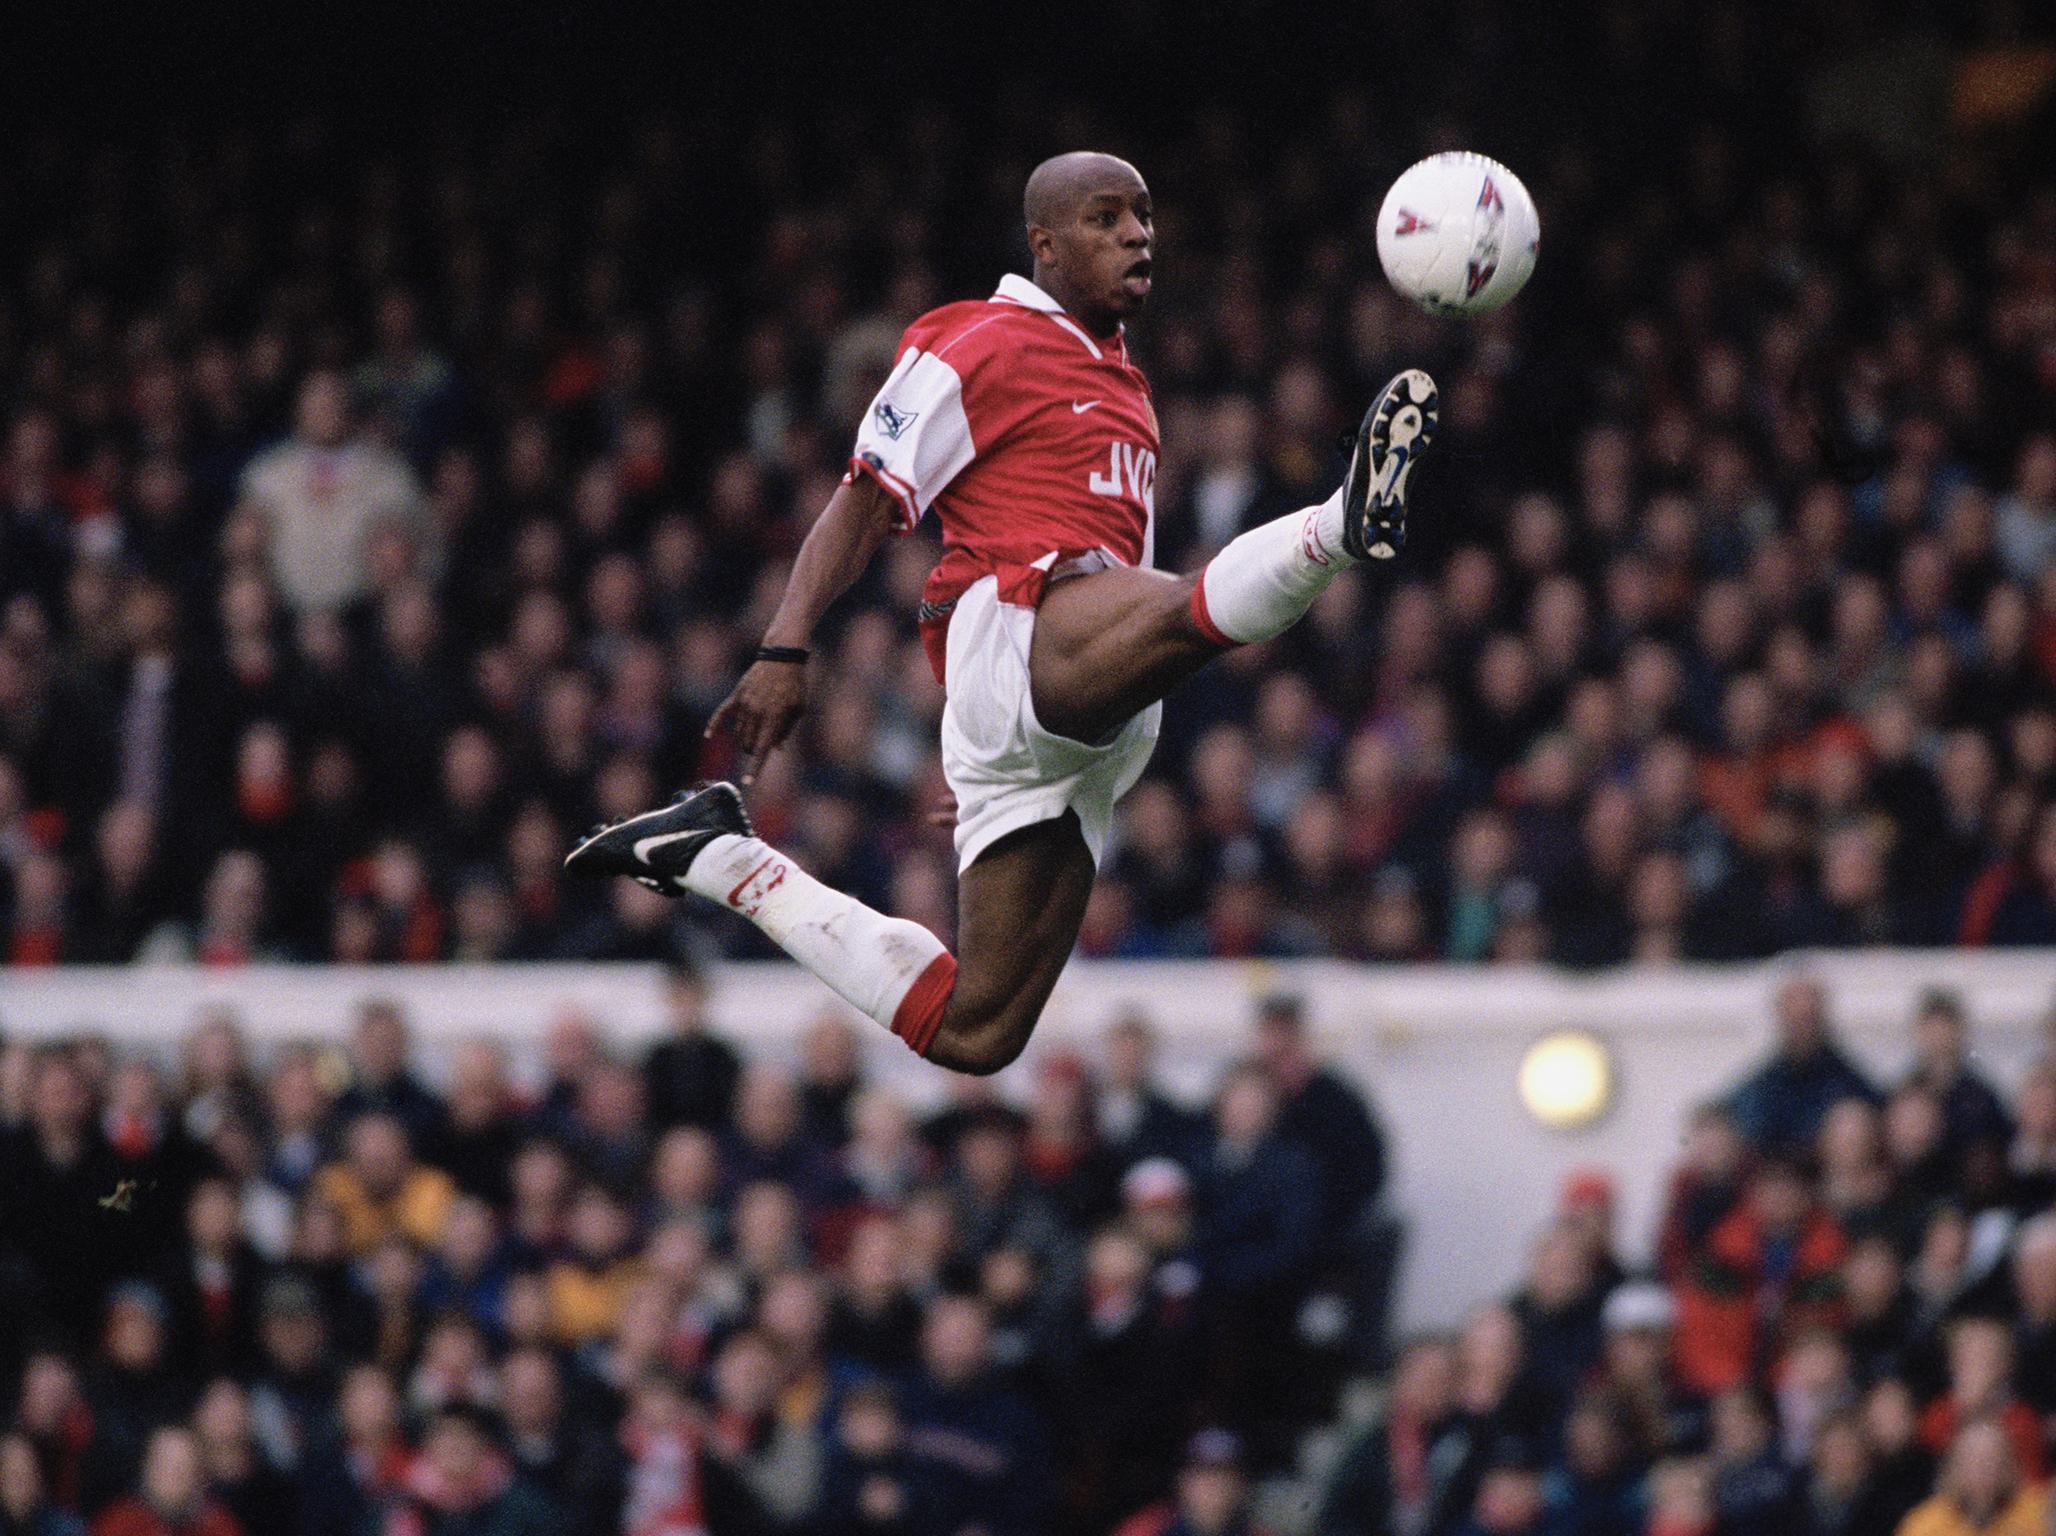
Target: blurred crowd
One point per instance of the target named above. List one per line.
(312, 1291)
(1848, 1329)
(375, 515)
(314, 1294)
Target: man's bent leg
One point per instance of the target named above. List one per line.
(1019, 908)
(1020, 904)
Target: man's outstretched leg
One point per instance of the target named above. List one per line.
(1112, 643)
(1020, 905)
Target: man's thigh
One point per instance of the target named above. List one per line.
(1108, 645)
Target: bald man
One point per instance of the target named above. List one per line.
(1023, 423)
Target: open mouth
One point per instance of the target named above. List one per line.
(1138, 273)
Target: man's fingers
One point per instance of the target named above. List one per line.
(770, 731)
(720, 717)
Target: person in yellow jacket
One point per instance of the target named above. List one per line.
(380, 1189)
(1980, 1491)
(588, 1285)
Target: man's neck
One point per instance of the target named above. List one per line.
(1050, 282)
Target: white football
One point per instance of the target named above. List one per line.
(1457, 234)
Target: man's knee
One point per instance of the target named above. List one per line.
(980, 1044)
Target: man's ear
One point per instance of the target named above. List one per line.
(1041, 243)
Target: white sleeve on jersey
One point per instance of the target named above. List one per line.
(915, 438)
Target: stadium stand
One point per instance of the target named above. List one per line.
(374, 515)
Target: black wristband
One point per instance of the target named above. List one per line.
(795, 654)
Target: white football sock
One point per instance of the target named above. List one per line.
(1265, 579)
(891, 969)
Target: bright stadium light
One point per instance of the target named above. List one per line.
(1566, 1080)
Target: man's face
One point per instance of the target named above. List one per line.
(1278, 1044)
(1128, 1053)
(1781, 1199)
(381, 1045)
(528, 1389)
(456, 1451)
(1938, 1036)
(1802, 1017)
(1246, 1109)
(60, 1100)
(378, 1153)
(1210, 1497)
(171, 1472)
(292, 1340)
(324, 416)
(1103, 241)
(954, 1342)
(988, 1158)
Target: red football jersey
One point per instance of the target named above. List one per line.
(1034, 441)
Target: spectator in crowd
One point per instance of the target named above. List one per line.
(249, 1488)
(1972, 1113)
(382, 1079)
(979, 1440)
(690, 1076)
(1638, 1372)
(1384, 1482)
(1138, 1346)
(1259, 1198)
(354, 1469)
(326, 499)
(461, 1482)
(381, 1190)
(1780, 1106)
(1212, 1497)
(1768, 1269)
(1981, 1491)
(1752, 1486)
(25, 1507)
(1135, 1119)
(171, 1494)
(872, 1484)
(1560, 1309)
(212, 1291)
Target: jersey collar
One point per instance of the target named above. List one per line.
(1016, 289)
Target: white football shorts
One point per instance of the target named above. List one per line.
(1006, 771)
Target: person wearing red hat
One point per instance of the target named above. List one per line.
(1587, 1206)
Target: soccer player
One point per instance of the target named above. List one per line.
(1021, 420)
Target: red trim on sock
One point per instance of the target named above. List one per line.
(1203, 620)
(919, 1014)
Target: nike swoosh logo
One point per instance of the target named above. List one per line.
(1080, 408)
(643, 845)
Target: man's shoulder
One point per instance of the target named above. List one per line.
(1331, 1091)
(271, 460)
(968, 331)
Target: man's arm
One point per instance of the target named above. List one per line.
(762, 710)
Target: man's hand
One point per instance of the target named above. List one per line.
(762, 711)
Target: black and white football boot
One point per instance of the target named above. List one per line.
(657, 848)
(1396, 430)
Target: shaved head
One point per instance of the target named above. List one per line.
(1091, 228)
(1058, 186)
